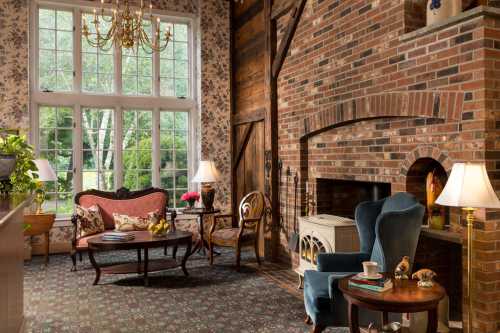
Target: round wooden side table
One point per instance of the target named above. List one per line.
(404, 297)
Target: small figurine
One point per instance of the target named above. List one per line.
(403, 269)
(424, 277)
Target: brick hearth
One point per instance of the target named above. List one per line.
(367, 91)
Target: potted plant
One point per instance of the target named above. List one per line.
(190, 198)
(22, 178)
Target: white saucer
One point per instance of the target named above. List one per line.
(370, 277)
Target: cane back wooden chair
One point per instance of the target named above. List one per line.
(251, 211)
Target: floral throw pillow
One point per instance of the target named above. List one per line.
(131, 223)
(90, 221)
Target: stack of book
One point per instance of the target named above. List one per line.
(117, 236)
(378, 285)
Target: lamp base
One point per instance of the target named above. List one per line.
(207, 196)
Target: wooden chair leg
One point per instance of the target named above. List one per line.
(256, 247)
(308, 320)
(318, 329)
(81, 257)
(238, 257)
(211, 252)
(73, 259)
(174, 252)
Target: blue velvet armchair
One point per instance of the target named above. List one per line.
(388, 230)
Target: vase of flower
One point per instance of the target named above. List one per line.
(190, 198)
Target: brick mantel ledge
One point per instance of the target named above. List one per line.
(446, 105)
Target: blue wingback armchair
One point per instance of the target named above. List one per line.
(388, 230)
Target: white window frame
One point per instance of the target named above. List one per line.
(79, 100)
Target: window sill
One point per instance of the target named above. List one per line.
(462, 17)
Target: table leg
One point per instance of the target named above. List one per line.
(146, 263)
(202, 236)
(432, 320)
(139, 261)
(95, 265)
(385, 318)
(185, 258)
(47, 247)
(353, 318)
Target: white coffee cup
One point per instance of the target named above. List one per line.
(370, 268)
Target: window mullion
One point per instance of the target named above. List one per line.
(78, 148)
(118, 168)
(77, 53)
(156, 73)
(118, 70)
(156, 148)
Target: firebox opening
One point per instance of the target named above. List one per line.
(340, 197)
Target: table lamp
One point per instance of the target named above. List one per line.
(45, 174)
(206, 175)
(469, 188)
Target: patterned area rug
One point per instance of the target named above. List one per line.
(211, 299)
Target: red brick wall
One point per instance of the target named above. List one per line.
(358, 102)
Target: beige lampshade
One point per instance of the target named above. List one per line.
(207, 173)
(45, 171)
(468, 187)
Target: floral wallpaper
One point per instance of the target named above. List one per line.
(14, 98)
(213, 77)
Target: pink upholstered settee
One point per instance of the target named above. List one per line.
(123, 201)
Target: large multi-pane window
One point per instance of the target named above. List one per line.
(174, 152)
(98, 148)
(55, 52)
(137, 149)
(56, 145)
(110, 117)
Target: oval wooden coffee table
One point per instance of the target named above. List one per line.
(143, 241)
(405, 296)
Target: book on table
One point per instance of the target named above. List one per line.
(378, 285)
(118, 236)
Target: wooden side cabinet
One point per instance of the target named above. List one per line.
(40, 225)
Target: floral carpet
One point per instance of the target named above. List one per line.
(210, 299)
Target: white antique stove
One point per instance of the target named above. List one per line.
(324, 234)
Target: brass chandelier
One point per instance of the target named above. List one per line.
(127, 28)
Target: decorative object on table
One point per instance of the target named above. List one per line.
(393, 327)
(40, 224)
(190, 198)
(402, 270)
(435, 214)
(7, 166)
(128, 28)
(125, 222)
(424, 277)
(22, 179)
(378, 283)
(251, 211)
(370, 269)
(440, 10)
(293, 240)
(469, 188)
(388, 230)
(310, 202)
(207, 174)
(45, 174)
(159, 228)
(118, 236)
(123, 201)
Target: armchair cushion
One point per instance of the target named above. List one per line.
(341, 262)
(230, 235)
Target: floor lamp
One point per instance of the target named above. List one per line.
(469, 188)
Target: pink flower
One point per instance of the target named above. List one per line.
(190, 196)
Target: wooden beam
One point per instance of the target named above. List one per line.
(256, 115)
(281, 9)
(241, 149)
(271, 184)
(288, 37)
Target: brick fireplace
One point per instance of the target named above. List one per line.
(368, 94)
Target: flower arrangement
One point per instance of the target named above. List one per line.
(190, 198)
